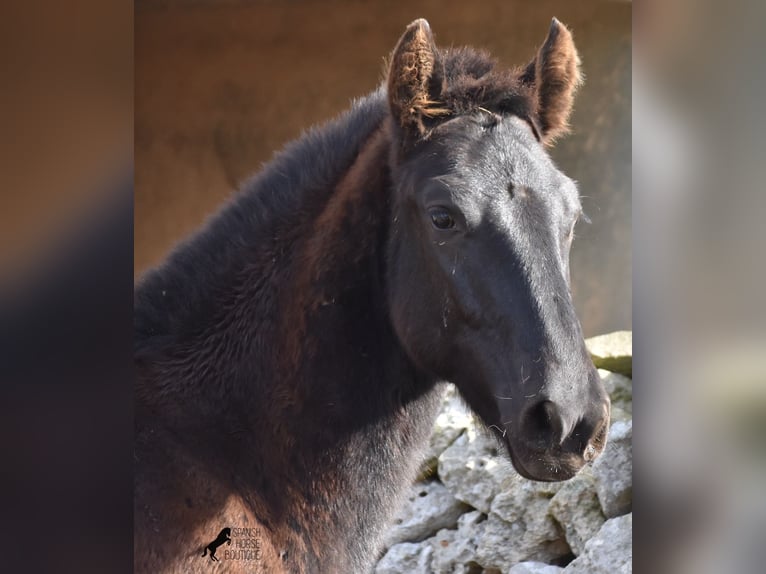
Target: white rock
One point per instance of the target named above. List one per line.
(618, 415)
(429, 508)
(406, 557)
(454, 417)
(613, 471)
(610, 551)
(475, 469)
(519, 514)
(503, 544)
(451, 552)
(612, 351)
(577, 509)
(455, 550)
(498, 545)
(520, 494)
(534, 568)
(620, 389)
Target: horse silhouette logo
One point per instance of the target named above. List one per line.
(224, 536)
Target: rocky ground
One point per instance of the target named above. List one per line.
(472, 513)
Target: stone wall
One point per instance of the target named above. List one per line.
(470, 512)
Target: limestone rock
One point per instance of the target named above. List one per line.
(496, 547)
(613, 351)
(475, 469)
(429, 508)
(620, 389)
(454, 551)
(613, 471)
(406, 557)
(535, 568)
(618, 415)
(519, 527)
(610, 551)
(502, 544)
(453, 418)
(577, 509)
(527, 501)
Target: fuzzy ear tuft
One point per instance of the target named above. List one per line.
(555, 76)
(415, 78)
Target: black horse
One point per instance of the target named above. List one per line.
(223, 537)
(290, 354)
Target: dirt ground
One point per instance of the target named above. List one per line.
(220, 86)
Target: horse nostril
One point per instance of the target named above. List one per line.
(546, 425)
(542, 424)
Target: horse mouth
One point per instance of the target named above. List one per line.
(550, 465)
(545, 468)
(556, 461)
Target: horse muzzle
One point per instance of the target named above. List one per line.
(550, 449)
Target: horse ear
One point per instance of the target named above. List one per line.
(415, 78)
(555, 75)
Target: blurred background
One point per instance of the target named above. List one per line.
(220, 86)
(66, 118)
(66, 257)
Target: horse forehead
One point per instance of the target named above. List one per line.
(512, 145)
(507, 156)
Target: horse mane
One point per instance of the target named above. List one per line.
(304, 172)
(473, 81)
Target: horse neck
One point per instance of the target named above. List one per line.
(293, 323)
(350, 406)
(339, 349)
(298, 395)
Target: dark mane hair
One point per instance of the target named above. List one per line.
(290, 188)
(473, 81)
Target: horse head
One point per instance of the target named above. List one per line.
(478, 247)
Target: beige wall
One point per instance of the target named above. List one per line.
(221, 85)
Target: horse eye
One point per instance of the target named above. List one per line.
(441, 218)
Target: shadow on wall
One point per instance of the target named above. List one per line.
(220, 86)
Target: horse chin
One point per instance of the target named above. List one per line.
(544, 466)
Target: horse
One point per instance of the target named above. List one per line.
(291, 355)
(223, 537)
